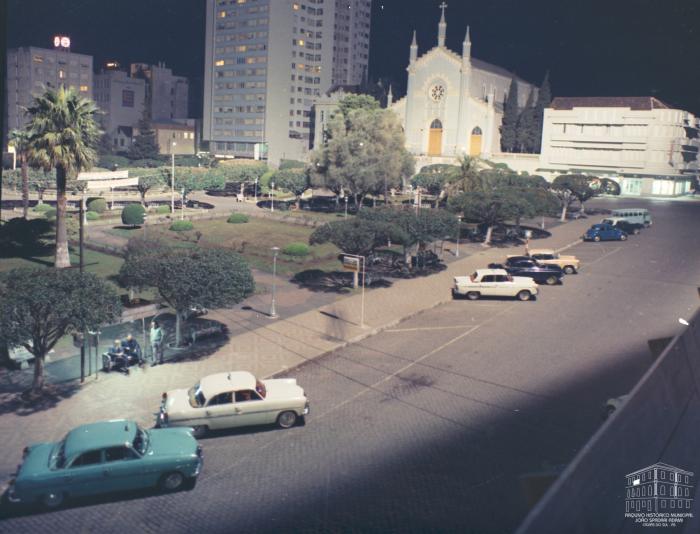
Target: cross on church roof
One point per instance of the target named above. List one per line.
(443, 6)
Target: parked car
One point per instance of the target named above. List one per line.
(604, 232)
(235, 399)
(526, 266)
(545, 256)
(493, 283)
(104, 457)
(624, 225)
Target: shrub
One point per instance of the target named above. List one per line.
(92, 216)
(296, 249)
(108, 161)
(133, 214)
(50, 213)
(41, 208)
(291, 164)
(181, 226)
(160, 210)
(237, 218)
(98, 205)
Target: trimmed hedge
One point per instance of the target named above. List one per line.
(296, 249)
(237, 218)
(181, 226)
(92, 216)
(41, 208)
(160, 210)
(98, 205)
(50, 213)
(133, 214)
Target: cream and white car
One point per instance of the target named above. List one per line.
(494, 283)
(546, 256)
(235, 399)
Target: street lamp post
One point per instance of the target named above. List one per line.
(459, 232)
(255, 193)
(272, 197)
(172, 178)
(273, 305)
(182, 206)
(346, 206)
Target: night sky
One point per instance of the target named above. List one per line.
(590, 47)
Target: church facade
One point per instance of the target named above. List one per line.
(454, 103)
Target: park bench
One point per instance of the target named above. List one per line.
(201, 332)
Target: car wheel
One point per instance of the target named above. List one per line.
(53, 500)
(596, 238)
(286, 419)
(569, 269)
(171, 481)
(550, 280)
(473, 295)
(199, 431)
(609, 410)
(524, 295)
(623, 237)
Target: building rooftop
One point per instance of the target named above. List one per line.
(632, 102)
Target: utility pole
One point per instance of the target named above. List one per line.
(82, 267)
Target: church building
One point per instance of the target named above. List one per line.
(454, 104)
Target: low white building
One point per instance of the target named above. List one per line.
(645, 145)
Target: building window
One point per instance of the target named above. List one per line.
(61, 73)
(127, 98)
(83, 88)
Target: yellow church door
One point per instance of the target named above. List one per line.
(435, 138)
(475, 142)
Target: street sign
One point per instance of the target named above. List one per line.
(103, 175)
(351, 263)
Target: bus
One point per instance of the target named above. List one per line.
(633, 215)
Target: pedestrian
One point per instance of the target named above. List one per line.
(132, 350)
(156, 337)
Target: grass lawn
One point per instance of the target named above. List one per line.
(253, 240)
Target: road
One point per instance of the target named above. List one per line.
(430, 425)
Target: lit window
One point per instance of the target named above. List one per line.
(219, 62)
(38, 59)
(222, 14)
(61, 73)
(295, 7)
(301, 42)
(83, 88)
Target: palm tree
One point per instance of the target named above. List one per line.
(64, 136)
(20, 140)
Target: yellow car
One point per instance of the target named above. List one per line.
(568, 264)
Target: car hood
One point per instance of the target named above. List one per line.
(283, 388)
(172, 442)
(178, 402)
(37, 460)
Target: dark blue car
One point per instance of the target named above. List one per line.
(604, 232)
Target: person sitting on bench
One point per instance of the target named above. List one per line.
(132, 350)
(117, 357)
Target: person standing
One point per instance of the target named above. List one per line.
(156, 338)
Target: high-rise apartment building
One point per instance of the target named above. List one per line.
(166, 93)
(267, 61)
(31, 69)
(122, 99)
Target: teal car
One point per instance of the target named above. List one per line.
(106, 457)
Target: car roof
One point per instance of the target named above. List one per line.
(482, 272)
(542, 251)
(99, 436)
(222, 382)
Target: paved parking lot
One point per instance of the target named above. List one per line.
(431, 424)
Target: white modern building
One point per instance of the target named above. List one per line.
(166, 93)
(30, 70)
(122, 99)
(454, 102)
(267, 61)
(641, 142)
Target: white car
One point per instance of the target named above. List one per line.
(235, 399)
(494, 283)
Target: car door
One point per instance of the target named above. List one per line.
(220, 411)
(251, 409)
(504, 285)
(84, 475)
(122, 469)
(488, 285)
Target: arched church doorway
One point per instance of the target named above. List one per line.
(475, 142)
(435, 138)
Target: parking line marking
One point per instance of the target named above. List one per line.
(424, 328)
(613, 251)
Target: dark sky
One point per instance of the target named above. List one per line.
(590, 47)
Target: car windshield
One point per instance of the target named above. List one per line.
(141, 441)
(58, 458)
(197, 398)
(260, 388)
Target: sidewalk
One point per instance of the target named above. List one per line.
(261, 345)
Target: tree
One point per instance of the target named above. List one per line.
(466, 179)
(148, 182)
(64, 134)
(525, 129)
(40, 306)
(133, 215)
(571, 187)
(365, 153)
(20, 140)
(352, 103)
(608, 187)
(544, 98)
(209, 278)
(489, 207)
(433, 178)
(294, 180)
(145, 145)
(353, 236)
(510, 119)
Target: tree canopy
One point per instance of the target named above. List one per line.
(353, 236)
(294, 180)
(40, 306)
(510, 119)
(145, 145)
